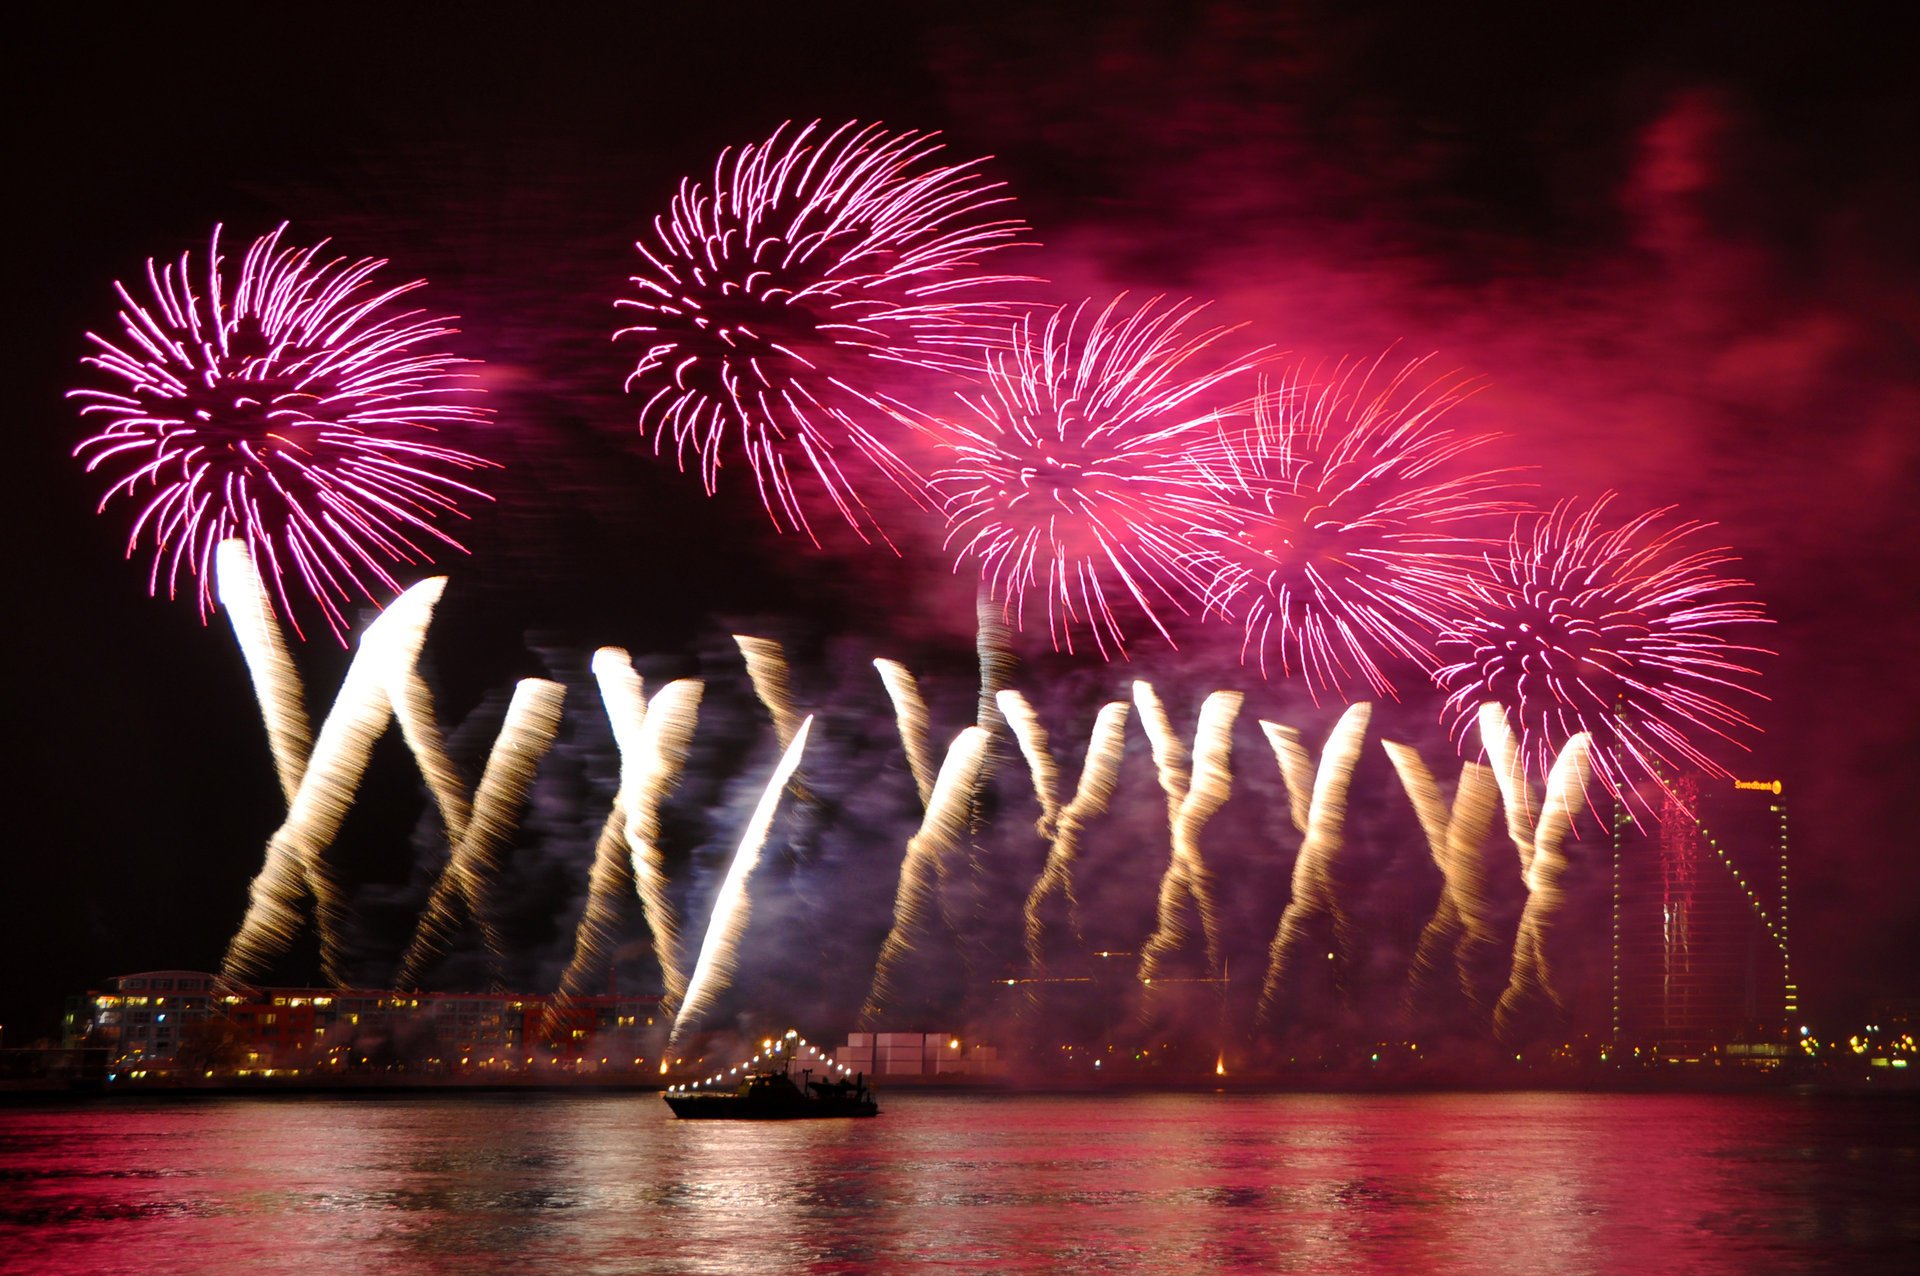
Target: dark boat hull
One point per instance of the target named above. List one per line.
(733, 1107)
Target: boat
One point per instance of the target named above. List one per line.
(771, 1094)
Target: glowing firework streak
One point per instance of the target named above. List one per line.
(526, 734)
(941, 832)
(1319, 808)
(1510, 773)
(276, 683)
(295, 859)
(653, 739)
(1462, 928)
(771, 302)
(1622, 634)
(1344, 532)
(1195, 790)
(1532, 973)
(283, 405)
(1060, 826)
(719, 949)
(1078, 472)
(916, 726)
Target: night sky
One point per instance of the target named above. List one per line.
(1676, 241)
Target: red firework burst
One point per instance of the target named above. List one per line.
(1345, 533)
(1621, 633)
(774, 302)
(285, 405)
(1079, 470)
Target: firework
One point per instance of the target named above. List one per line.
(1532, 973)
(653, 739)
(1197, 785)
(290, 405)
(296, 853)
(1075, 475)
(772, 302)
(1060, 824)
(1319, 808)
(942, 830)
(719, 949)
(276, 683)
(526, 733)
(1343, 535)
(1625, 635)
(1462, 928)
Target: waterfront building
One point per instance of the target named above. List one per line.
(183, 1020)
(1702, 965)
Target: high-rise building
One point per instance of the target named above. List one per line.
(1702, 964)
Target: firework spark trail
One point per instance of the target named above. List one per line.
(1195, 790)
(1344, 532)
(1321, 819)
(1078, 471)
(526, 734)
(770, 302)
(1532, 976)
(916, 726)
(1621, 634)
(285, 406)
(296, 853)
(1509, 772)
(732, 906)
(276, 683)
(1462, 929)
(942, 832)
(915, 723)
(653, 739)
(1060, 826)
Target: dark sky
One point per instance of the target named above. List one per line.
(1677, 241)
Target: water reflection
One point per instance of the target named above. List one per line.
(1153, 1183)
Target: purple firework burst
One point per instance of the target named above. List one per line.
(777, 303)
(1627, 634)
(1347, 528)
(1077, 474)
(286, 404)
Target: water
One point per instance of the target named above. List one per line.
(965, 1183)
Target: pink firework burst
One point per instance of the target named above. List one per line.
(1622, 633)
(285, 405)
(1079, 470)
(1346, 528)
(775, 304)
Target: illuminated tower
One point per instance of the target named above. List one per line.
(1701, 961)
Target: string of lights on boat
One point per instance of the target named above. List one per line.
(769, 1051)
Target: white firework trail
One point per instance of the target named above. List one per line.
(526, 734)
(1060, 825)
(295, 857)
(942, 831)
(1463, 926)
(1197, 785)
(719, 948)
(1320, 814)
(1532, 976)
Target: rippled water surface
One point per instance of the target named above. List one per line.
(1173, 1183)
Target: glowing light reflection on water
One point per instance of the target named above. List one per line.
(609, 1183)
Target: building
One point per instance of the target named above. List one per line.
(915, 1054)
(1701, 960)
(169, 1021)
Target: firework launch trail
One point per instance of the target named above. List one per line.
(1319, 808)
(942, 832)
(720, 947)
(1060, 824)
(1197, 785)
